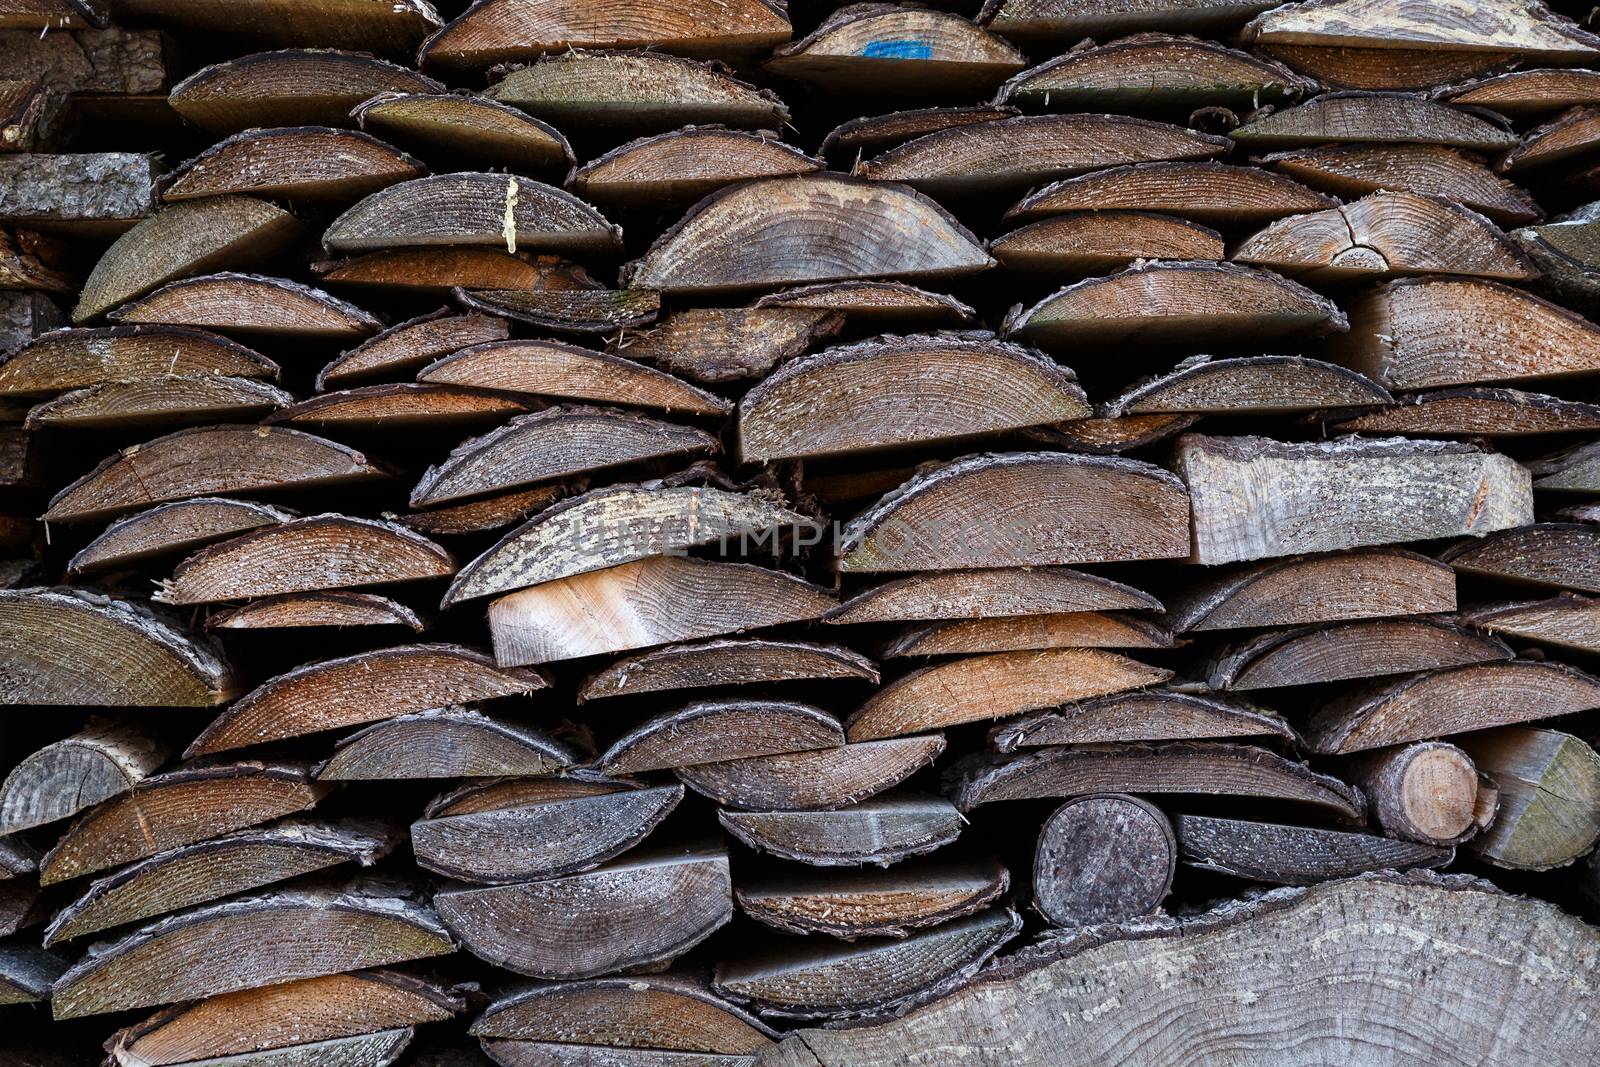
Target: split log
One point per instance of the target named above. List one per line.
(472, 209)
(881, 830)
(725, 662)
(249, 303)
(196, 953)
(576, 824)
(1322, 653)
(410, 345)
(1561, 555)
(1061, 509)
(554, 443)
(627, 914)
(207, 460)
(716, 345)
(1427, 170)
(399, 406)
(506, 31)
(1567, 621)
(27, 974)
(73, 647)
(777, 231)
(1549, 785)
(825, 778)
(888, 50)
(637, 605)
(1451, 701)
(455, 126)
(662, 1011)
(856, 138)
(1063, 22)
(832, 981)
(713, 730)
(433, 271)
(990, 594)
(542, 367)
(1324, 496)
(1368, 583)
(1184, 767)
(363, 688)
(381, 1048)
(1161, 714)
(1075, 629)
(1426, 792)
(1523, 94)
(1567, 253)
(303, 555)
(1572, 470)
(158, 403)
(489, 513)
(304, 163)
(292, 87)
(1246, 386)
(301, 610)
(1216, 194)
(895, 391)
(1499, 26)
(445, 743)
(1103, 858)
(94, 194)
(1572, 134)
(103, 760)
(181, 240)
(171, 529)
(176, 808)
(1101, 242)
(299, 1012)
(76, 358)
(680, 167)
(644, 92)
(1294, 855)
(218, 867)
(1155, 72)
(1385, 235)
(876, 904)
(976, 688)
(1477, 412)
(1382, 118)
(584, 311)
(1011, 154)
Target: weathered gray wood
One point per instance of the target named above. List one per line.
(1562, 555)
(1065, 22)
(75, 358)
(103, 760)
(1103, 858)
(857, 138)
(1498, 26)
(570, 311)
(1160, 714)
(508, 1052)
(169, 529)
(889, 903)
(714, 730)
(27, 974)
(381, 1048)
(98, 194)
(1345, 117)
(1366, 649)
(24, 316)
(491, 512)
(1216, 194)
(411, 344)
(292, 87)
(629, 913)
(1294, 855)
(1426, 791)
(880, 830)
(825, 778)
(1567, 621)
(1248, 385)
(1549, 787)
(444, 743)
(874, 304)
(394, 28)
(1575, 469)
(716, 345)
(726, 661)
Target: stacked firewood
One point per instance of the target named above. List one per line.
(599, 532)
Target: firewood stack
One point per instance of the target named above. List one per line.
(589, 532)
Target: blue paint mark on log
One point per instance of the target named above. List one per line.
(898, 49)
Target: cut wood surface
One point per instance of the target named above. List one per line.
(889, 903)
(158, 403)
(303, 163)
(1572, 134)
(194, 954)
(1160, 714)
(1215, 194)
(1566, 252)
(317, 609)
(1323, 496)
(445, 743)
(1346, 117)
(713, 730)
(293, 87)
(681, 166)
(1102, 242)
(1452, 701)
(1477, 411)
(1551, 554)
(886, 49)
(363, 688)
(1059, 509)
(826, 778)
(553, 368)
(1568, 621)
(433, 271)
(726, 661)
(1572, 470)
(1208, 768)
(1247, 385)
(1549, 790)
(172, 529)
(975, 688)
(217, 867)
(1064, 22)
(1427, 791)
(783, 230)
(1009, 155)
(75, 647)
(250, 304)
(636, 605)
(855, 138)
(1076, 629)
(448, 125)
(1294, 855)
(411, 344)
(208, 460)
(882, 830)
(75, 358)
(1321, 653)
(473, 208)
(175, 808)
(716, 345)
(643, 909)
(399, 406)
(1529, 93)
(1508, 26)
(1103, 858)
(542, 837)
(103, 760)
(580, 311)
(490, 513)
(989, 594)
(1427, 170)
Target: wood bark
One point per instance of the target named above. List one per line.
(1426, 791)
(1294, 855)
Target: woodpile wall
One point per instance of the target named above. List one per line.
(687, 533)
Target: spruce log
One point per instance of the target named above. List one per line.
(1561, 555)
(319, 609)
(543, 367)
(1294, 855)
(873, 904)
(75, 358)
(1074, 629)
(410, 345)
(292, 87)
(1161, 714)
(1346, 117)
(400, 406)
(1427, 170)
(171, 529)
(302, 163)
(1549, 790)
(1247, 385)
(1103, 858)
(681, 166)
(881, 830)
(825, 778)
(1321, 653)
(158, 403)
(1215, 194)
(725, 662)
(251, 304)
(1426, 792)
(717, 345)
(103, 760)
(444, 743)
(452, 126)
(1007, 592)
(888, 50)
(95, 194)
(1567, 621)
